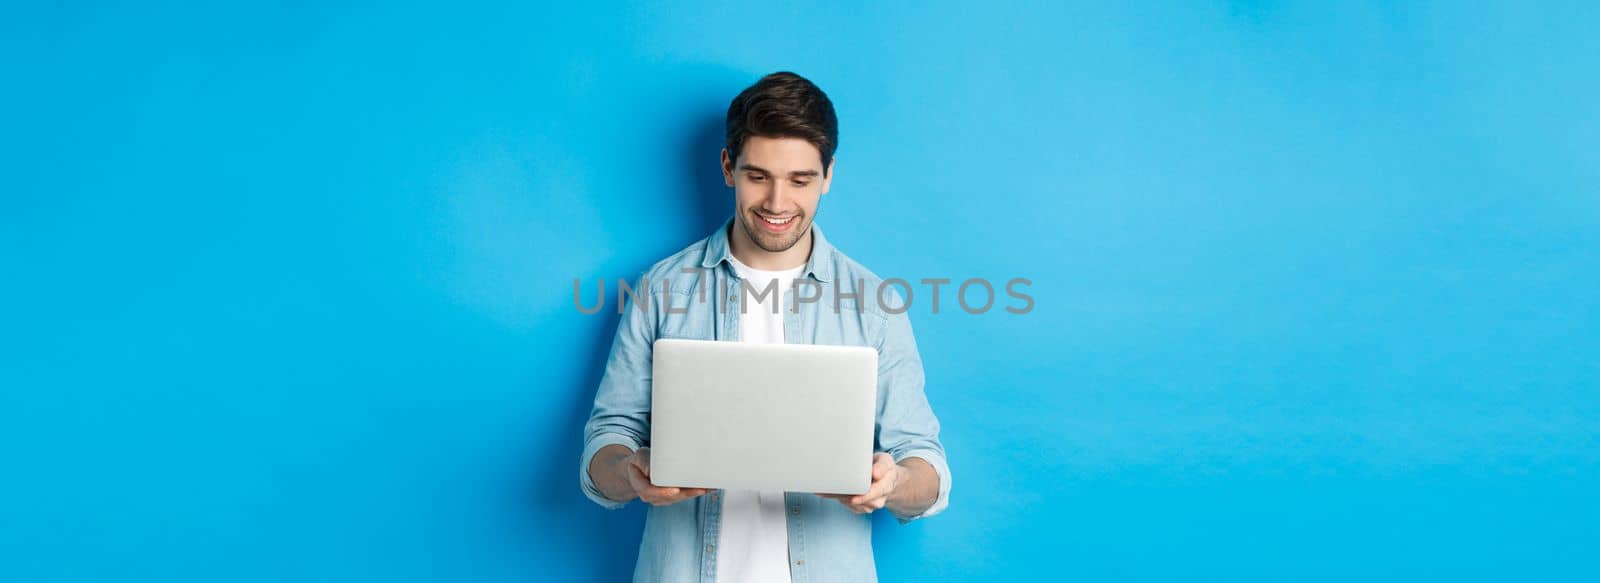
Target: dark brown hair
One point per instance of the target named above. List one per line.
(783, 105)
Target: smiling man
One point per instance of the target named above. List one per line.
(781, 136)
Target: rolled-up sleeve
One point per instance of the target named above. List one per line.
(622, 402)
(907, 427)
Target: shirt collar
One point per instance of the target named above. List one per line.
(819, 266)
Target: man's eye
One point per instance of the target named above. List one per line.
(801, 183)
(757, 178)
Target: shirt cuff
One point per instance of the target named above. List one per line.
(935, 459)
(600, 441)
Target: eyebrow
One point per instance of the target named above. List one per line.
(795, 174)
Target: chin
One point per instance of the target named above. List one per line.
(774, 242)
(779, 245)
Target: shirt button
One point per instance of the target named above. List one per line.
(709, 548)
(800, 562)
(795, 510)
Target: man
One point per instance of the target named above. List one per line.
(781, 136)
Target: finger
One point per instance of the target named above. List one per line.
(641, 459)
(637, 476)
(879, 489)
(655, 495)
(663, 495)
(883, 458)
(869, 500)
(844, 500)
(648, 491)
(881, 464)
(641, 484)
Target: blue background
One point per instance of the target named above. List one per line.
(288, 287)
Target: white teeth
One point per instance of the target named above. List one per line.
(776, 221)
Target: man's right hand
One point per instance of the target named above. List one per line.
(637, 469)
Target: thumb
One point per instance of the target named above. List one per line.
(641, 460)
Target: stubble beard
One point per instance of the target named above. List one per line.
(775, 242)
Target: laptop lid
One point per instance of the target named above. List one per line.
(790, 417)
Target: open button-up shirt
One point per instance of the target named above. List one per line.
(695, 294)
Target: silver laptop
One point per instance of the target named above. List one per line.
(790, 417)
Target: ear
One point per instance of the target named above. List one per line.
(727, 169)
(827, 176)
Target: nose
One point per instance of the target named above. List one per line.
(776, 198)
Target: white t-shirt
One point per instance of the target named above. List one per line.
(753, 544)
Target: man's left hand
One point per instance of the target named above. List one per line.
(886, 475)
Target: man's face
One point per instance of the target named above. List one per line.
(777, 183)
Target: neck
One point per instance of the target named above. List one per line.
(748, 253)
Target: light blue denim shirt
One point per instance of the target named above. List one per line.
(695, 294)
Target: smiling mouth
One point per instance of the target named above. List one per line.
(777, 224)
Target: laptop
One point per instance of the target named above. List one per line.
(736, 415)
